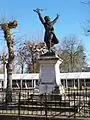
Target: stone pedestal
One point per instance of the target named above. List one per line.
(49, 76)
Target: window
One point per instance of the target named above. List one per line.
(14, 84)
(37, 82)
(88, 82)
(70, 82)
(29, 83)
(23, 83)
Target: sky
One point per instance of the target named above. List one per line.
(73, 15)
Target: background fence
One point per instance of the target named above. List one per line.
(75, 103)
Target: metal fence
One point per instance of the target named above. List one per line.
(75, 103)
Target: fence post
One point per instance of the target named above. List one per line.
(19, 105)
(46, 105)
(74, 105)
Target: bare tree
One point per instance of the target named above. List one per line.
(29, 52)
(72, 54)
(86, 24)
(6, 27)
(20, 60)
(3, 60)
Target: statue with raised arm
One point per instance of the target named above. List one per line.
(49, 38)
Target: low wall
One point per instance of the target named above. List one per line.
(4, 117)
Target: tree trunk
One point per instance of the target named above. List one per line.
(7, 35)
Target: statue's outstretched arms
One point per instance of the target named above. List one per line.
(54, 21)
(39, 14)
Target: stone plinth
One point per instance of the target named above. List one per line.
(49, 75)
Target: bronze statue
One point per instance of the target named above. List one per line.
(49, 38)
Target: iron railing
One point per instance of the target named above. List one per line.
(75, 103)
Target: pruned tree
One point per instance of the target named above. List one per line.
(6, 27)
(72, 53)
(28, 53)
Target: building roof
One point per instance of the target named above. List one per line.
(73, 75)
(22, 76)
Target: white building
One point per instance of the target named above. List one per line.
(75, 79)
